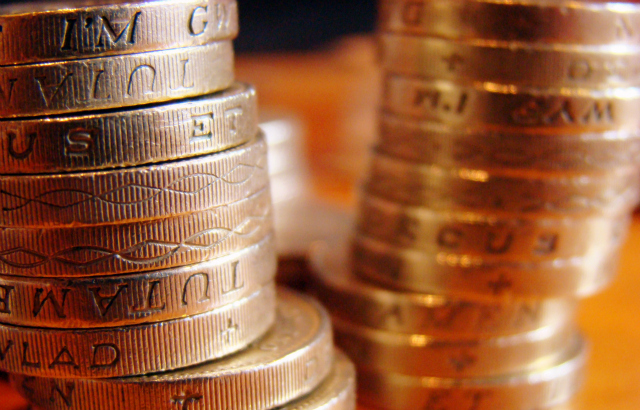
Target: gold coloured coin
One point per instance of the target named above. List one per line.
(137, 194)
(484, 277)
(136, 247)
(365, 304)
(133, 137)
(555, 22)
(421, 355)
(40, 31)
(511, 108)
(521, 64)
(484, 234)
(156, 296)
(294, 358)
(337, 392)
(540, 389)
(450, 146)
(142, 349)
(502, 191)
(114, 82)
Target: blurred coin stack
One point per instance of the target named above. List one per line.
(499, 193)
(300, 217)
(137, 234)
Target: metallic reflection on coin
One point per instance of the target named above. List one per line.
(141, 349)
(535, 390)
(366, 304)
(292, 360)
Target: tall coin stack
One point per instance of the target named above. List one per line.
(499, 193)
(136, 250)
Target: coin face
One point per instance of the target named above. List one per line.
(440, 315)
(131, 137)
(290, 361)
(539, 389)
(126, 300)
(136, 247)
(42, 31)
(138, 194)
(34, 90)
(141, 349)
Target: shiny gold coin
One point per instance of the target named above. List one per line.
(535, 390)
(337, 392)
(520, 64)
(134, 194)
(423, 355)
(512, 108)
(528, 150)
(503, 191)
(105, 250)
(110, 301)
(469, 276)
(349, 298)
(483, 234)
(114, 82)
(133, 137)
(39, 31)
(292, 360)
(558, 22)
(136, 350)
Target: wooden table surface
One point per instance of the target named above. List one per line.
(334, 92)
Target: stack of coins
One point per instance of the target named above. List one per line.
(499, 193)
(137, 237)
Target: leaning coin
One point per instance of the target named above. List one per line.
(136, 350)
(136, 194)
(114, 82)
(502, 191)
(110, 301)
(420, 355)
(132, 137)
(521, 64)
(556, 22)
(466, 276)
(477, 233)
(540, 389)
(294, 357)
(104, 250)
(505, 107)
(41, 31)
(363, 303)
(450, 146)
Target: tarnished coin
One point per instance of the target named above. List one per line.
(484, 234)
(134, 194)
(564, 22)
(116, 81)
(423, 355)
(292, 360)
(42, 30)
(114, 139)
(105, 250)
(450, 146)
(521, 64)
(363, 303)
(469, 276)
(110, 301)
(136, 350)
(512, 108)
(535, 390)
(503, 191)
